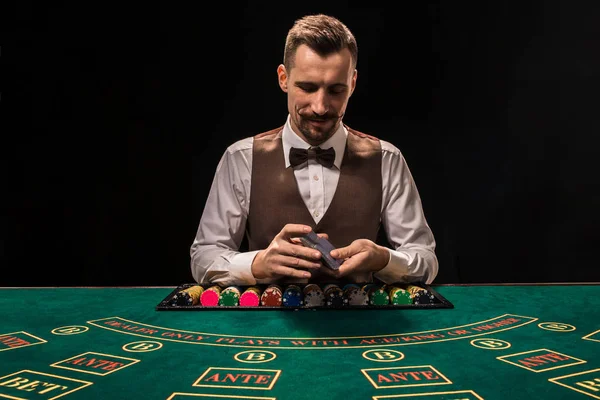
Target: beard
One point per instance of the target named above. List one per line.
(317, 129)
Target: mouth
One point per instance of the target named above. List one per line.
(318, 122)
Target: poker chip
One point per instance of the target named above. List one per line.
(313, 295)
(292, 296)
(379, 297)
(193, 295)
(250, 297)
(272, 296)
(356, 295)
(188, 297)
(420, 295)
(423, 297)
(370, 288)
(210, 296)
(400, 296)
(230, 296)
(334, 296)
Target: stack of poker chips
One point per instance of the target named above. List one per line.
(420, 295)
(334, 296)
(250, 297)
(400, 296)
(188, 297)
(356, 295)
(378, 296)
(210, 296)
(272, 296)
(230, 296)
(292, 296)
(313, 295)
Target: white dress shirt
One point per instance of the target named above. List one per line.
(214, 252)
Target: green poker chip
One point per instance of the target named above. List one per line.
(229, 298)
(401, 297)
(380, 297)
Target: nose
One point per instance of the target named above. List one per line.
(320, 102)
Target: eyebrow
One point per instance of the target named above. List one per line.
(339, 84)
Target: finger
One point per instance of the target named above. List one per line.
(293, 230)
(296, 262)
(306, 252)
(297, 249)
(282, 270)
(323, 235)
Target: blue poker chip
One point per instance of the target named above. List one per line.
(292, 296)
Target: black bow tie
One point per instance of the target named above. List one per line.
(325, 157)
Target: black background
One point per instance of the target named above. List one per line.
(115, 118)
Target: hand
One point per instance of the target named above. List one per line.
(362, 255)
(285, 256)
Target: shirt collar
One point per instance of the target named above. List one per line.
(337, 141)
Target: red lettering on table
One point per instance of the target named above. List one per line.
(12, 341)
(30, 386)
(228, 340)
(133, 328)
(421, 337)
(260, 342)
(494, 325)
(235, 377)
(458, 332)
(105, 365)
(319, 342)
(243, 378)
(408, 376)
(214, 378)
(263, 379)
(534, 361)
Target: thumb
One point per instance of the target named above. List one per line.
(342, 252)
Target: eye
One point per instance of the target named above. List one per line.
(307, 87)
(337, 90)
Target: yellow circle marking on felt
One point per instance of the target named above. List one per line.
(383, 355)
(142, 346)
(70, 330)
(490, 344)
(556, 326)
(255, 356)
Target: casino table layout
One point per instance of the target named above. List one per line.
(520, 341)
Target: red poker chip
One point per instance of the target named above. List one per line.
(272, 297)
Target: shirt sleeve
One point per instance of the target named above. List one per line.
(412, 258)
(215, 255)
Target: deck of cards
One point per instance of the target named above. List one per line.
(322, 245)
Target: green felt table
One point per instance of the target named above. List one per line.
(498, 342)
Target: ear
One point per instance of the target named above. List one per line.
(282, 77)
(353, 83)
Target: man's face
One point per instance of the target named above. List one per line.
(318, 90)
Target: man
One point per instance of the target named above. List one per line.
(346, 187)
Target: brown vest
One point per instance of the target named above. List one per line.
(275, 200)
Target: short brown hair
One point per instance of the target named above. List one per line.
(324, 34)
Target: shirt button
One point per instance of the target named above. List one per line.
(317, 214)
(316, 178)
